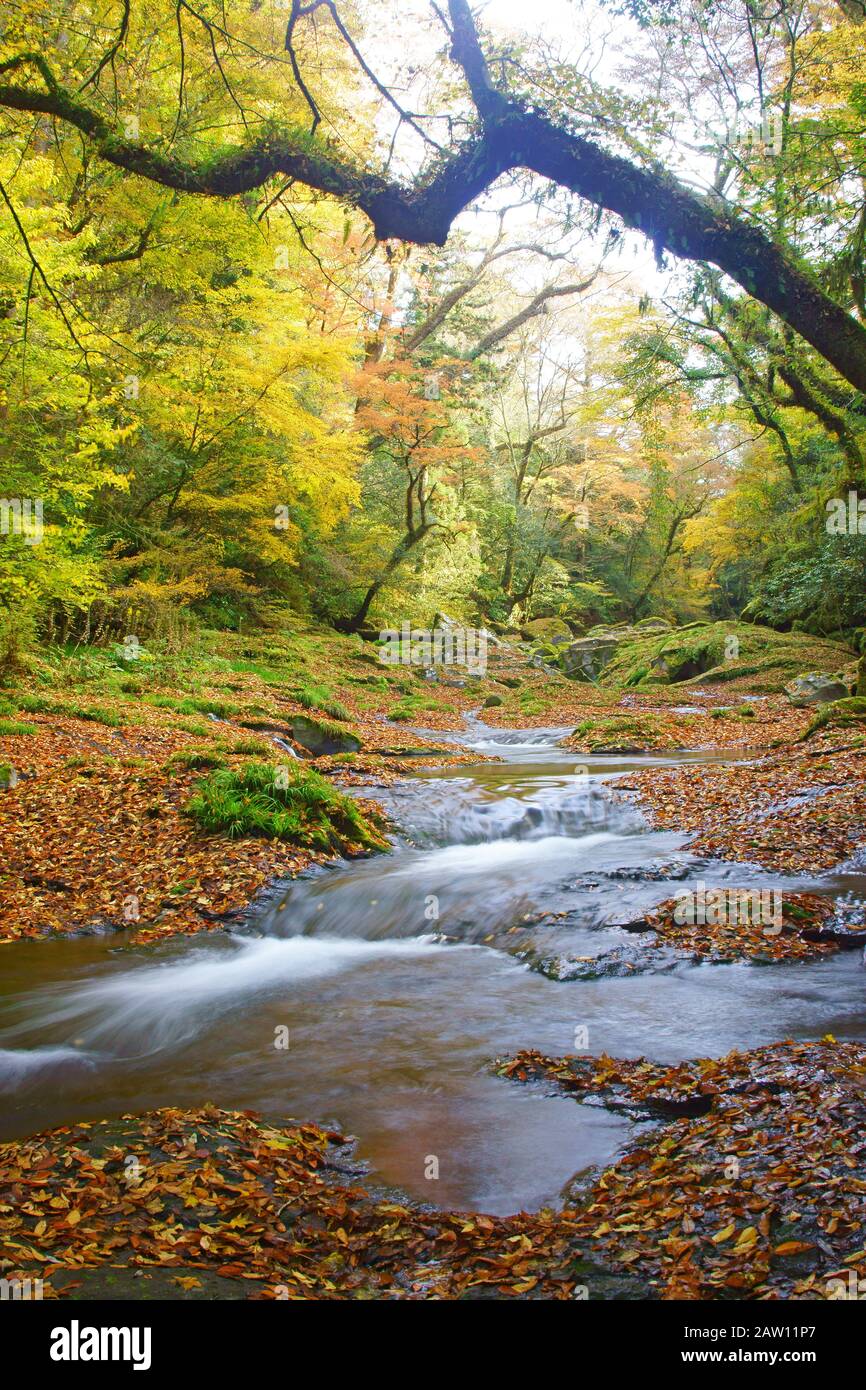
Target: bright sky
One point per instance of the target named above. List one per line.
(576, 24)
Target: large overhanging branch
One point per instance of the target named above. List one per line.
(686, 223)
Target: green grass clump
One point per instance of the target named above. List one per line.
(196, 727)
(195, 758)
(300, 806)
(36, 704)
(223, 709)
(248, 748)
(93, 713)
(321, 698)
(10, 727)
(96, 714)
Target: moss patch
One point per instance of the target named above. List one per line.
(289, 803)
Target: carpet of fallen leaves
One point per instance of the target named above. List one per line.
(245, 1209)
(93, 836)
(753, 1185)
(807, 931)
(671, 719)
(750, 1183)
(801, 808)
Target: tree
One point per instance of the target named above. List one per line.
(508, 130)
(413, 429)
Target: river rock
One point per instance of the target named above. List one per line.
(616, 748)
(814, 689)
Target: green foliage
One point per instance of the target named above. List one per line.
(320, 698)
(96, 714)
(195, 758)
(306, 809)
(839, 714)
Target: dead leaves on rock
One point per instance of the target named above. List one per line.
(220, 1192)
(744, 935)
(754, 1187)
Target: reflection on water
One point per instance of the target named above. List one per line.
(390, 1031)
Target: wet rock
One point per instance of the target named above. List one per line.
(586, 658)
(621, 748)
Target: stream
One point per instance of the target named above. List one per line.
(398, 978)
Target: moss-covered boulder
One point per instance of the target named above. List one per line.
(815, 689)
(849, 713)
(322, 738)
(727, 651)
(552, 630)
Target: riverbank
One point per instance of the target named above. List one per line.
(94, 834)
(747, 1184)
(716, 1194)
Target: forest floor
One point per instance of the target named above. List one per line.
(749, 1184)
(94, 835)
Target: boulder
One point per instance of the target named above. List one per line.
(621, 748)
(546, 630)
(585, 658)
(815, 689)
(492, 700)
(322, 738)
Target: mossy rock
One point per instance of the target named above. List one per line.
(492, 700)
(321, 738)
(840, 714)
(705, 652)
(620, 748)
(545, 630)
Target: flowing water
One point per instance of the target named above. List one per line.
(395, 980)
